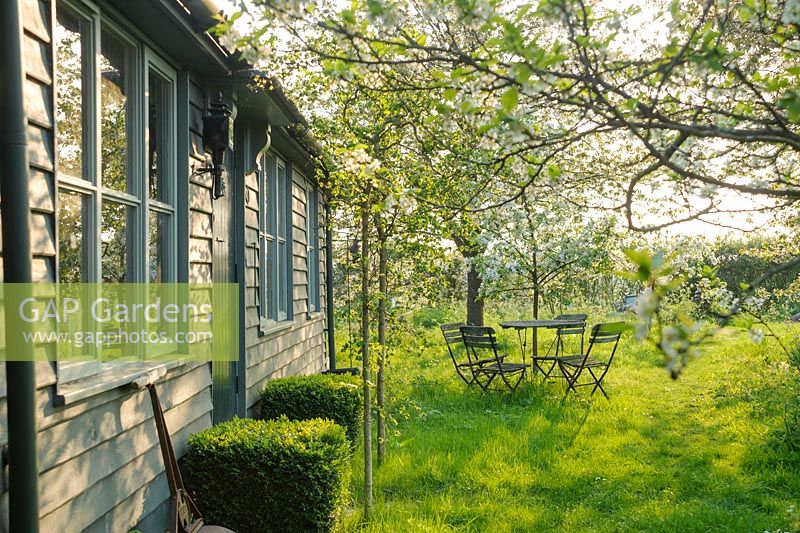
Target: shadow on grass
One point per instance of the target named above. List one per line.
(533, 461)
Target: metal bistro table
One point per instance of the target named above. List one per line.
(522, 327)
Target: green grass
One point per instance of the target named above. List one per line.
(700, 453)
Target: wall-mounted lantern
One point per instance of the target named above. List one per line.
(218, 137)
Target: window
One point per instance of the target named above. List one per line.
(312, 220)
(116, 161)
(275, 274)
(162, 173)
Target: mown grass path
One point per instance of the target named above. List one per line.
(702, 453)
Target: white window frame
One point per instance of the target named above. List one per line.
(275, 247)
(312, 250)
(137, 196)
(168, 205)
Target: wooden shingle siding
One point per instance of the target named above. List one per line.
(112, 491)
(42, 192)
(131, 435)
(36, 19)
(201, 219)
(100, 452)
(39, 100)
(38, 103)
(100, 463)
(38, 57)
(74, 435)
(38, 95)
(299, 348)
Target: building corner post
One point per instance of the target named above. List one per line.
(14, 177)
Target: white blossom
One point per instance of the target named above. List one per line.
(644, 307)
(408, 203)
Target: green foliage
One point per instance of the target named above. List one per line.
(794, 355)
(792, 425)
(330, 396)
(429, 317)
(745, 260)
(255, 475)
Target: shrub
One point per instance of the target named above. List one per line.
(255, 475)
(429, 317)
(335, 397)
(792, 399)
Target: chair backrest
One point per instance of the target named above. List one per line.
(452, 337)
(572, 330)
(452, 334)
(609, 332)
(479, 338)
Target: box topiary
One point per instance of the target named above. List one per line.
(335, 397)
(282, 475)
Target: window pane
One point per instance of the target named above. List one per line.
(157, 243)
(269, 194)
(280, 210)
(283, 282)
(313, 250)
(159, 91)
(115, 61)
(71, 34)
(73, 209)
(269, 303)
(115, 242)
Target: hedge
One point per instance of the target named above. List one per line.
(335, 397)
(283, 475)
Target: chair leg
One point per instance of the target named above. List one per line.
(552, 369)
(508, 383)
(490, 378)
(464, 377)
(598, 386)
(571, 378)
(539, 368)
(598, 382)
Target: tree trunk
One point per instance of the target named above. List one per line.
(470, 249)
(383, 267)
(536, 291)
(535, 335)
(365, 370)
(474, 301)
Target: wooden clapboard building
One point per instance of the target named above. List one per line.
(120, 191)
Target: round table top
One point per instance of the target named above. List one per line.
(544, 323)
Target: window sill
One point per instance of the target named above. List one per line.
(273, 328)
(113, 377)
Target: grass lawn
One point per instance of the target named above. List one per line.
(700, 453)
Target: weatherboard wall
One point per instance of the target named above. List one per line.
(295, 346)
(99, 459)
(100, 463)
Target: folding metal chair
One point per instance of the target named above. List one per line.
(453, 340)
(481, 340)
(541, 362)
(574, 366)
(566, 331)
